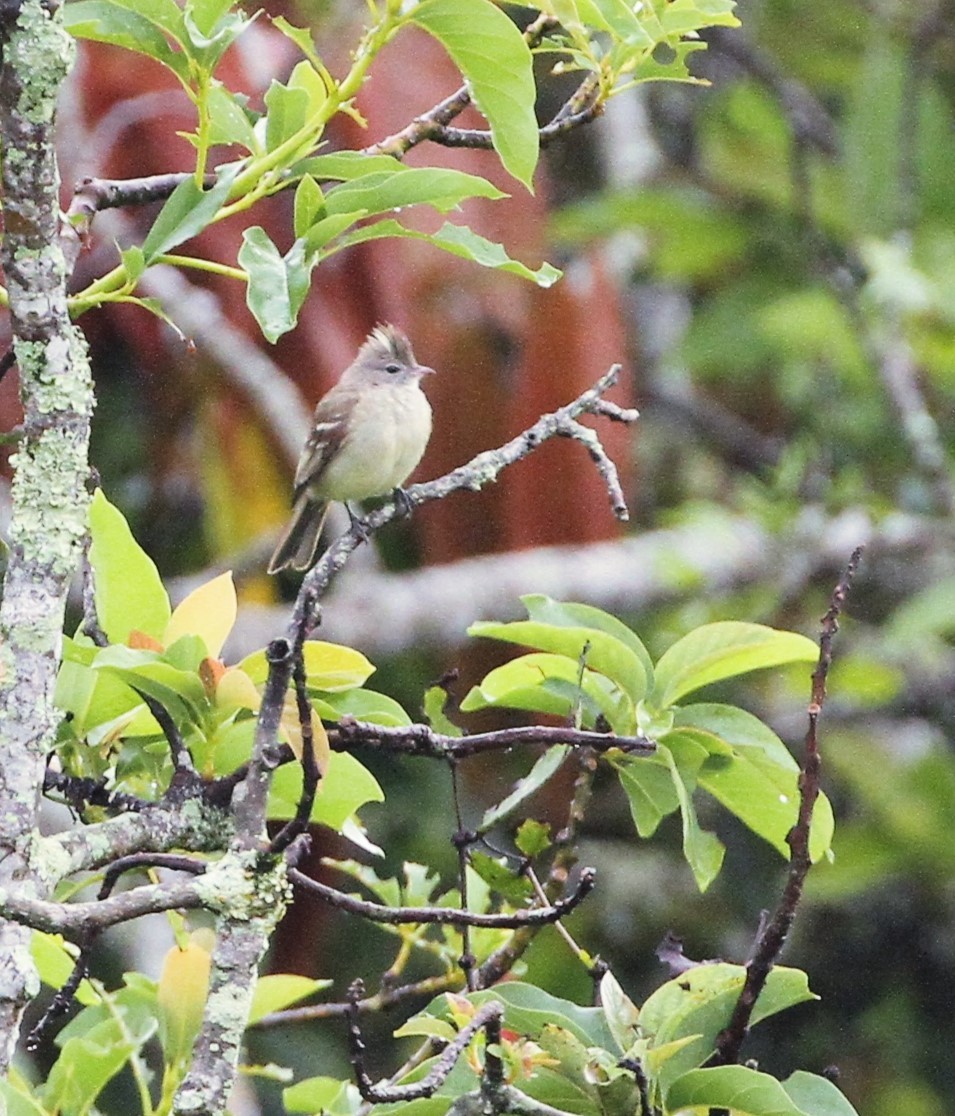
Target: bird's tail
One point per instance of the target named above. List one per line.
(296, 548)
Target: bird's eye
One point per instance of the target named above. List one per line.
(391, 369)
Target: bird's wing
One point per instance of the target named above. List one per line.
(329, 431)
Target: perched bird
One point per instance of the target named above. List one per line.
(368, 434)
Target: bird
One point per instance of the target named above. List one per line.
(368, 433)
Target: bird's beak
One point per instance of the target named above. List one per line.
(424, 370)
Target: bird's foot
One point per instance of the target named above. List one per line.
(357, 525)
(403, 502)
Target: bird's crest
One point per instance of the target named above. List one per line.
(389, 342)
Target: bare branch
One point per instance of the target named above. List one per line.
(447, 916)
(422, 740)
(773, 935)
(428, 1085)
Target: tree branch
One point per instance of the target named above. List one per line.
(772, 937)
(447, 916)
(475, 475)
(50, 500)
(422, 740)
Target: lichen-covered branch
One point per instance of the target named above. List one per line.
(48, 519)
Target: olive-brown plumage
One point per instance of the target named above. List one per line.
(369, 432)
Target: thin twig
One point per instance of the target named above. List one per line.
(440, 1071)
(422, 740)
(447, 916)
(773, 935)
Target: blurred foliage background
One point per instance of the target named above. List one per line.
(773, 255)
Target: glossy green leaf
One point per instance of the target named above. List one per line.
(749, 771)
(105, 21)
(563, 614)
(600, 651)
(55, 963)
(330, 667)
(347, 786)
(378, 192)
(459, 241)
(649, 788)
(180, 692)
(309, 204)
(363, 705)
(549, 684)
(702, 850)
(287, 110)
(278, 991)
(738, 1089)
(502, 878)
(491, 53)
(128, 590)
(544, 769)
(229, 123)
(723, 650)
(188, 210)
(345, 165)
(277, 284)
(699, 1003)
(816, 1095)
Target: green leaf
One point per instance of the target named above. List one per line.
(750, 772)
(621, 1012)
(277, 284)
(723, 650)
(55, 963)
(816, 1095)
(739, 1089)
(703, 851)
(435, 701)
(309, 204)
(322, 1094)
(566, 615)
(105, 21)
(457, 240)
(17, 1094)
(649, 788)
(532, 837)
(549, 684)
(496, 62)
(544, 768)
(680, 17)
(529, 1010)
(381, 191)
(330, 667)
(500, 877)
(188, 210)
(345, 165)
(600, 652)
(346, 787)
(363, 705)
(617, 17)
(287, 112)
(180, 692)
(128, 590)
(229, 121)
(698, 1004)
(279, 990)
